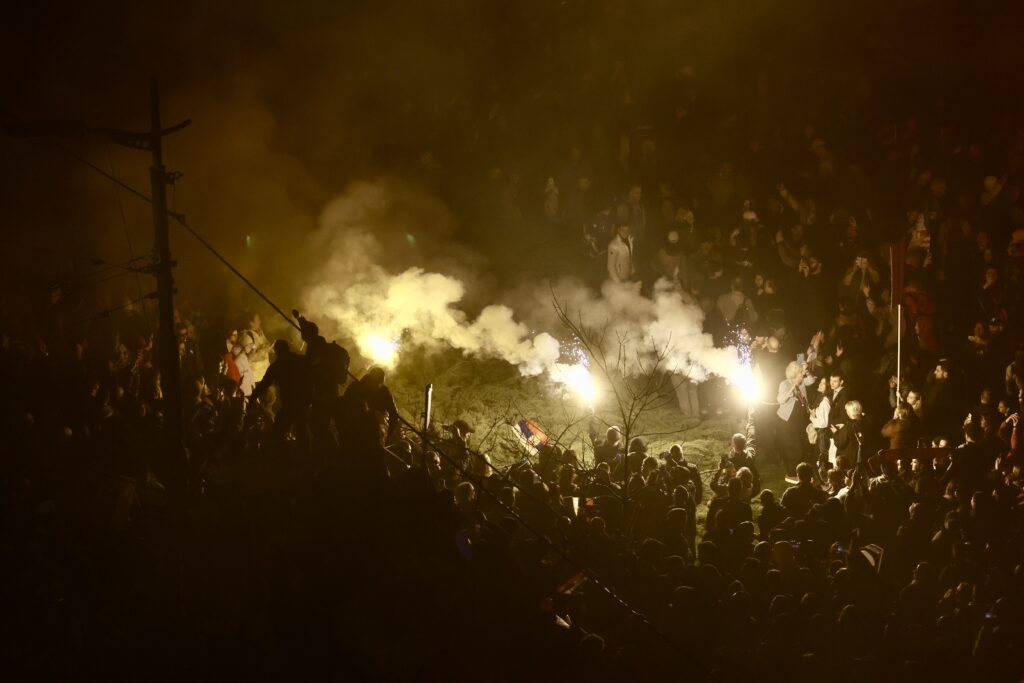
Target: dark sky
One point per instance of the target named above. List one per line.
(291, 102)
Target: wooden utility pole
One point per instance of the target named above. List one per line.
(162, 269)
(170, 369)
(167, 343)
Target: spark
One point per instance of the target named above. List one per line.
(575, 350)
(745, 382)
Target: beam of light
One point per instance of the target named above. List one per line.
(578, 380)
(383, 352)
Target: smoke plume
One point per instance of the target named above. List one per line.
(368, 294)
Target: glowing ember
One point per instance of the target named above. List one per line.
(380, 350)
(578, 380)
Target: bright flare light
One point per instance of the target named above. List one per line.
(578, 380)
(380, 350)
(745, 384)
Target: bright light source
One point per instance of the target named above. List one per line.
(578, 380)
(380, 350)
(745, 384)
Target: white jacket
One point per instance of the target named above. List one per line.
(819, 415)
(620, 260)
(787, 396)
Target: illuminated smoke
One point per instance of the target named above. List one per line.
(384, 310)
(420, 309)
(381, 351)
(578, 380)
(635, 333)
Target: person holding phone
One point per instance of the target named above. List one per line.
(792, 414)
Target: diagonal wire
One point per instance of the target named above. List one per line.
(180, 220)
(127, 234)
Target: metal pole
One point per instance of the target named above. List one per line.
(427, 395)
(626, 525)
(899, 348)
(167, 340)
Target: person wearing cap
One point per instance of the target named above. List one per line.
(670, 261)
(462, 429)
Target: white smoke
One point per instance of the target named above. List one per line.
(381, 310)
(635, 333)
(420, 308)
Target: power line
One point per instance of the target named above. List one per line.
(127, 235)
(180, 220)
(105, 313)
(92, 281)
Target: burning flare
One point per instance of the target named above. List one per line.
(745, 383)
(381, 351)
(577, 379)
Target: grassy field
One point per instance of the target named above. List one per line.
(491, 396)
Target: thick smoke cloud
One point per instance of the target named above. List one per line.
(365, 289)
(663, 331)
(364, 300)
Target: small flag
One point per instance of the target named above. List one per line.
(530, 435)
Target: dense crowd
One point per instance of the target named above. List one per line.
(319, 530)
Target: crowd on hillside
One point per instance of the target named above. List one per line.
(312, 528)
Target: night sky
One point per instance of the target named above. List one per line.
(291, 104)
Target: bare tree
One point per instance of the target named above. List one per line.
(635, 372)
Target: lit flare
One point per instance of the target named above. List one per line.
(578, 380)
(382, 351)
(745, 383)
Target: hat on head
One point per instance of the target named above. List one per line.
(462, 426)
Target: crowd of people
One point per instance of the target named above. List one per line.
(874, 271)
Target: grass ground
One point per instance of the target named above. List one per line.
(491, 395)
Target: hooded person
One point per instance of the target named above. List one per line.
(328, 365)
(370, 409)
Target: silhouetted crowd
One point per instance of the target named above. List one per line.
(316, 531)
